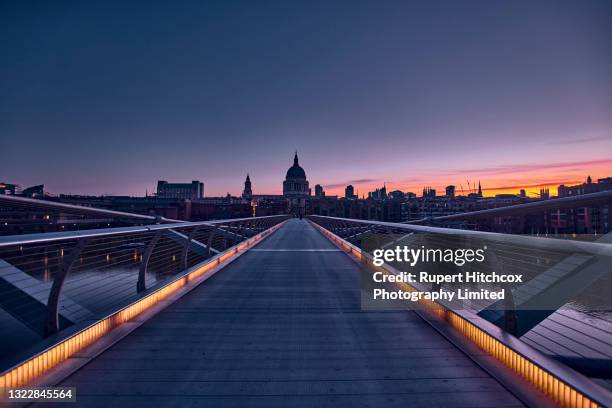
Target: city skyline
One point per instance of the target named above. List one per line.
(531, 186)
(410, 94)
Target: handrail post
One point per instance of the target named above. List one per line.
(210, 239)
(52, 318)
(510, 316)
(141, 285)
(510, 319)
(187, 244)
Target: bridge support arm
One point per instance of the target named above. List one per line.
(52, 318)
(141, 285)
(187, 244)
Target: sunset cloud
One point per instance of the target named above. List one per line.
(355, 181)
(522, 168)
(583, 140)
(529, 186)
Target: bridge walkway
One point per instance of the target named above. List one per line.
(282, 326)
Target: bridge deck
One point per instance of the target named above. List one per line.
(281, 326)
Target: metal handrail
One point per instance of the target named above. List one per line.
(23, 239)
(225, 231)
(554, 379)
(551, 244)
(31, 366)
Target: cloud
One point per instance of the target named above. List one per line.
(583, 140)
(410, 180)
(527, 186)
(520, 168)
(355, 181)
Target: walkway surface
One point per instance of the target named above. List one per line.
(282, 326)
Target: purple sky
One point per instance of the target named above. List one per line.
(108, 97)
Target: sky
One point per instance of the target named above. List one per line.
(109, 97)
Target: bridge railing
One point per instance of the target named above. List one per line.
(60, 284)
(562, 384)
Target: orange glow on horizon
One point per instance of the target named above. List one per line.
(508, 178)
(531, 190)
(490, 186)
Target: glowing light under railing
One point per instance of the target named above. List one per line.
(559, 391)
(31, 369)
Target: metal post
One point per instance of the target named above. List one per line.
(510, 323)
(52, 319)
(187, 244)
(141, 285)
(510, 316)
(210, 239)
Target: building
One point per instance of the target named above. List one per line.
(186, 191)
(173, 208)
(349, 192)
(319, 191)
(396, 195)
(269, 205)
(582, 220)
(216, 208)
(168, 207)
(429, 192)
(247, 193)
(450, 191)
(379, 193)
(15, 189)
(34, 191)
(9, 189)
(295, 188)
(602, 184)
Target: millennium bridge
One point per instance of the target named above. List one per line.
(269, 311)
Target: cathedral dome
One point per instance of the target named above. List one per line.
(295, 172)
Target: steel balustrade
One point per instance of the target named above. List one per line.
(154, 247)
(562, 384)
(77, 247)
